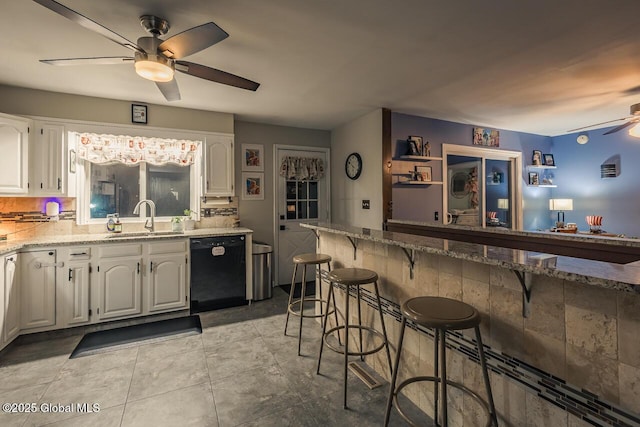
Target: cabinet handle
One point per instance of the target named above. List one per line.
(138, 268)
(59, 184)
(151, 269)
(70, 274)
(78, 254)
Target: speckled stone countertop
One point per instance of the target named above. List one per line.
(579, 237)
(596, 273)
(101, 238)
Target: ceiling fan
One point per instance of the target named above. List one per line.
(156, 59)
(635, 118)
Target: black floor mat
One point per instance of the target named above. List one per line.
(109, 340)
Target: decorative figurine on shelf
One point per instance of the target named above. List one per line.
(536, 159)
(426, 149)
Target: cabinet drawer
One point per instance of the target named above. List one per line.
(113, 251)
(79, 253)
(168, 247)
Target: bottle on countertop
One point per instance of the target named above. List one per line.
(113, 224)
(117, 227)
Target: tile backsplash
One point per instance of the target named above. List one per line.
(24, 217)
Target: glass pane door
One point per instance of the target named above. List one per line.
(498, 189)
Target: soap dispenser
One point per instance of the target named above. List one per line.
(111, 224)
(117, 227)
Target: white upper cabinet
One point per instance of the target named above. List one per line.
(47, 176)
(14, 141)
(218, 166)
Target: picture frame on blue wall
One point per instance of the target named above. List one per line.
(536, 158)
(534, 179)
(415, 145)
(548, 160)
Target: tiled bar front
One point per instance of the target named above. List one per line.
(574, 361)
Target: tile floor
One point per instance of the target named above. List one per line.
(241, 371)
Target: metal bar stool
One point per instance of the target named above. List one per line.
(441, 314)
(306, 259)
(350, 278)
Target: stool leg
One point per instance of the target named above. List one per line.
(394, 375)
(346, 341)
(360, 323)
(443, 378)
(291, 292)
(324, 325)
(485, 373)
(302, 297)
(384, 329)
(436, 374)
(335, 308)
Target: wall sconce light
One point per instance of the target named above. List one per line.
(560, 205)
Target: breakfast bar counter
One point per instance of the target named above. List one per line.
(561, 332)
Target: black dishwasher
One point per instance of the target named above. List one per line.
(218, 273)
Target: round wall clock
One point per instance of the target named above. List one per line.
(353, 165)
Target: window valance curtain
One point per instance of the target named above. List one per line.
(131, 150)
(302, 168)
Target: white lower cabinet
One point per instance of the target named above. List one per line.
(38, 289)
(119, 288)
(75, 293)
(167, 285)
(11, 327)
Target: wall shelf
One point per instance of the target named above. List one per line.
(409, 158)
(544, 185)
(420, 182)
(540, 167)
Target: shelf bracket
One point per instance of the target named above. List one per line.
(411, 257)
(525, 282)
(355, 246)
(317, 237)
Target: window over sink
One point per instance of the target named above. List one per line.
(115, 175)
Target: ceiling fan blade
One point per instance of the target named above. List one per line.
(622, 126)
(217, 76)
(88, 23)
(192, 40)
(169, 90)
(101, 60)
(598, 124)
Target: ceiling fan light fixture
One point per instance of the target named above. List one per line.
(635, 131)
(154, 71)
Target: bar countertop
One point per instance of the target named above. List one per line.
(622, 277)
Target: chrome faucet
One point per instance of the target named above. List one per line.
(152, 208)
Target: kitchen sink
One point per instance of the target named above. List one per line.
(144, 234)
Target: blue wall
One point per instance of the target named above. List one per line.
(419, 202)
(578, 178)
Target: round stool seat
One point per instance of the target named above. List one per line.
(311, 258)
(352, 276)
(441, 313)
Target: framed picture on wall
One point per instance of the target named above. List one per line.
(423, 173)
(548, 160)
(252, 186)
(415, 145)
(536, 158)
(253, 157)
(533, 178)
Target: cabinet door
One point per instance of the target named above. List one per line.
(14, 140)
(218, 167)
(11, 297)
(167, 288)
(75, 304)
(38, 289)
(119, 287)
(47, 160)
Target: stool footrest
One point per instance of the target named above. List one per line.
(355, 353)
(291, 308)
(454, 384)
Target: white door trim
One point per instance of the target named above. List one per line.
(276, 195)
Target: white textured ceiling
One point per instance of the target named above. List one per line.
(534, 66)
